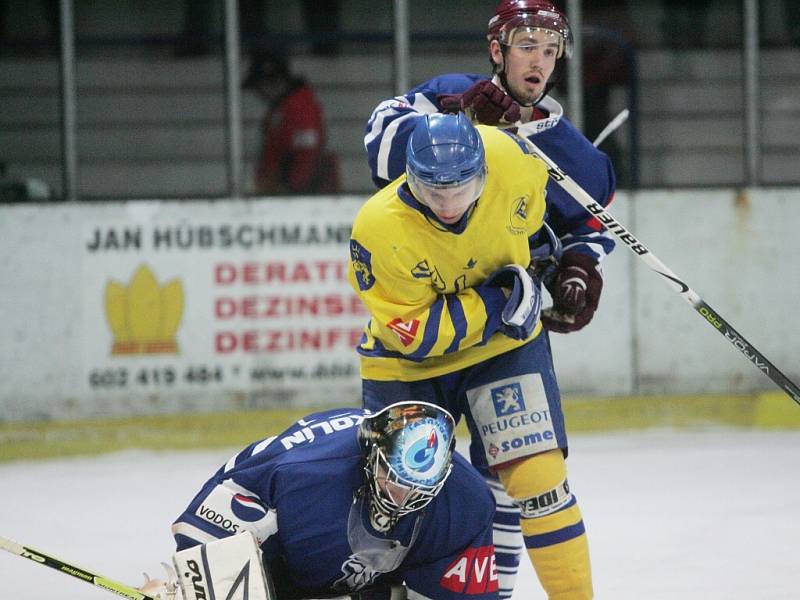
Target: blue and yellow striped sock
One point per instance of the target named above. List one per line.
(552, 526)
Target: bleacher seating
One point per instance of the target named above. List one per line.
(155, 127)
(692, 117)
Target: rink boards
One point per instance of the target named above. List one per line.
(118, 310)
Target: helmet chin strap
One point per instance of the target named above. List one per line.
(501, 74)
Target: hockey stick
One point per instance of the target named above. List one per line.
(73, 570)
(611, 127)
(667, 275)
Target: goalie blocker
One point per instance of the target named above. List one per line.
(230, 569)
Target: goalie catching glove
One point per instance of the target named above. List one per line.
(483, 103)
(575, 289)
(523, 300)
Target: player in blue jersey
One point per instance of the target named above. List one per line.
(529, 42)
(347, 502)
(452, 351)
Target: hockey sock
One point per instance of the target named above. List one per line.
(552, 526)
(507, 537)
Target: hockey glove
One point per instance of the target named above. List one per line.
(484, 103)
(576, 291)
(523, 302)
(546, 252)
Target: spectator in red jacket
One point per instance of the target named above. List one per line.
(293, 157)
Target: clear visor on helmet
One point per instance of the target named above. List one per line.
(535, 38)
(448, 201)
(543, 30)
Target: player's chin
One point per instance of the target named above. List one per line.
(529, 93)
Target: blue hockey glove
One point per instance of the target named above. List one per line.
(523, 303)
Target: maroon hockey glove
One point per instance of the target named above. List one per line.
(484, 102)
(576, 292)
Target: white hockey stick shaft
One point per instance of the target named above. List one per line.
(611, 127)
(72, 570)
(667, 275)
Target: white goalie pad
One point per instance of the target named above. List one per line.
(226, 569)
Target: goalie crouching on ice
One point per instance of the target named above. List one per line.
(343, 503)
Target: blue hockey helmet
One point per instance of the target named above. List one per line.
(446, 164)
(409, 450)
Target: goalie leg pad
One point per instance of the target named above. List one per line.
(227, 569)
(552, 525)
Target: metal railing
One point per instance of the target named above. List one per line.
(401, 77)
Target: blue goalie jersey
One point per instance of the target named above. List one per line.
(301, 494)
(393, 120)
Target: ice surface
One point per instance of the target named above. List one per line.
(709, 514)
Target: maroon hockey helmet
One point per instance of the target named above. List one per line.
(529, 14)
(521, 16)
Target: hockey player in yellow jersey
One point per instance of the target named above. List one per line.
(427, 302)
(447, 260)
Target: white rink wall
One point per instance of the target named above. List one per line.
(254, 310)
(736, 250)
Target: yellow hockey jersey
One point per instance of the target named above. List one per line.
(421, 280)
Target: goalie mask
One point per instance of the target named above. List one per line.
(409, 450)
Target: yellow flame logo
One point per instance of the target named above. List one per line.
(144, 316)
